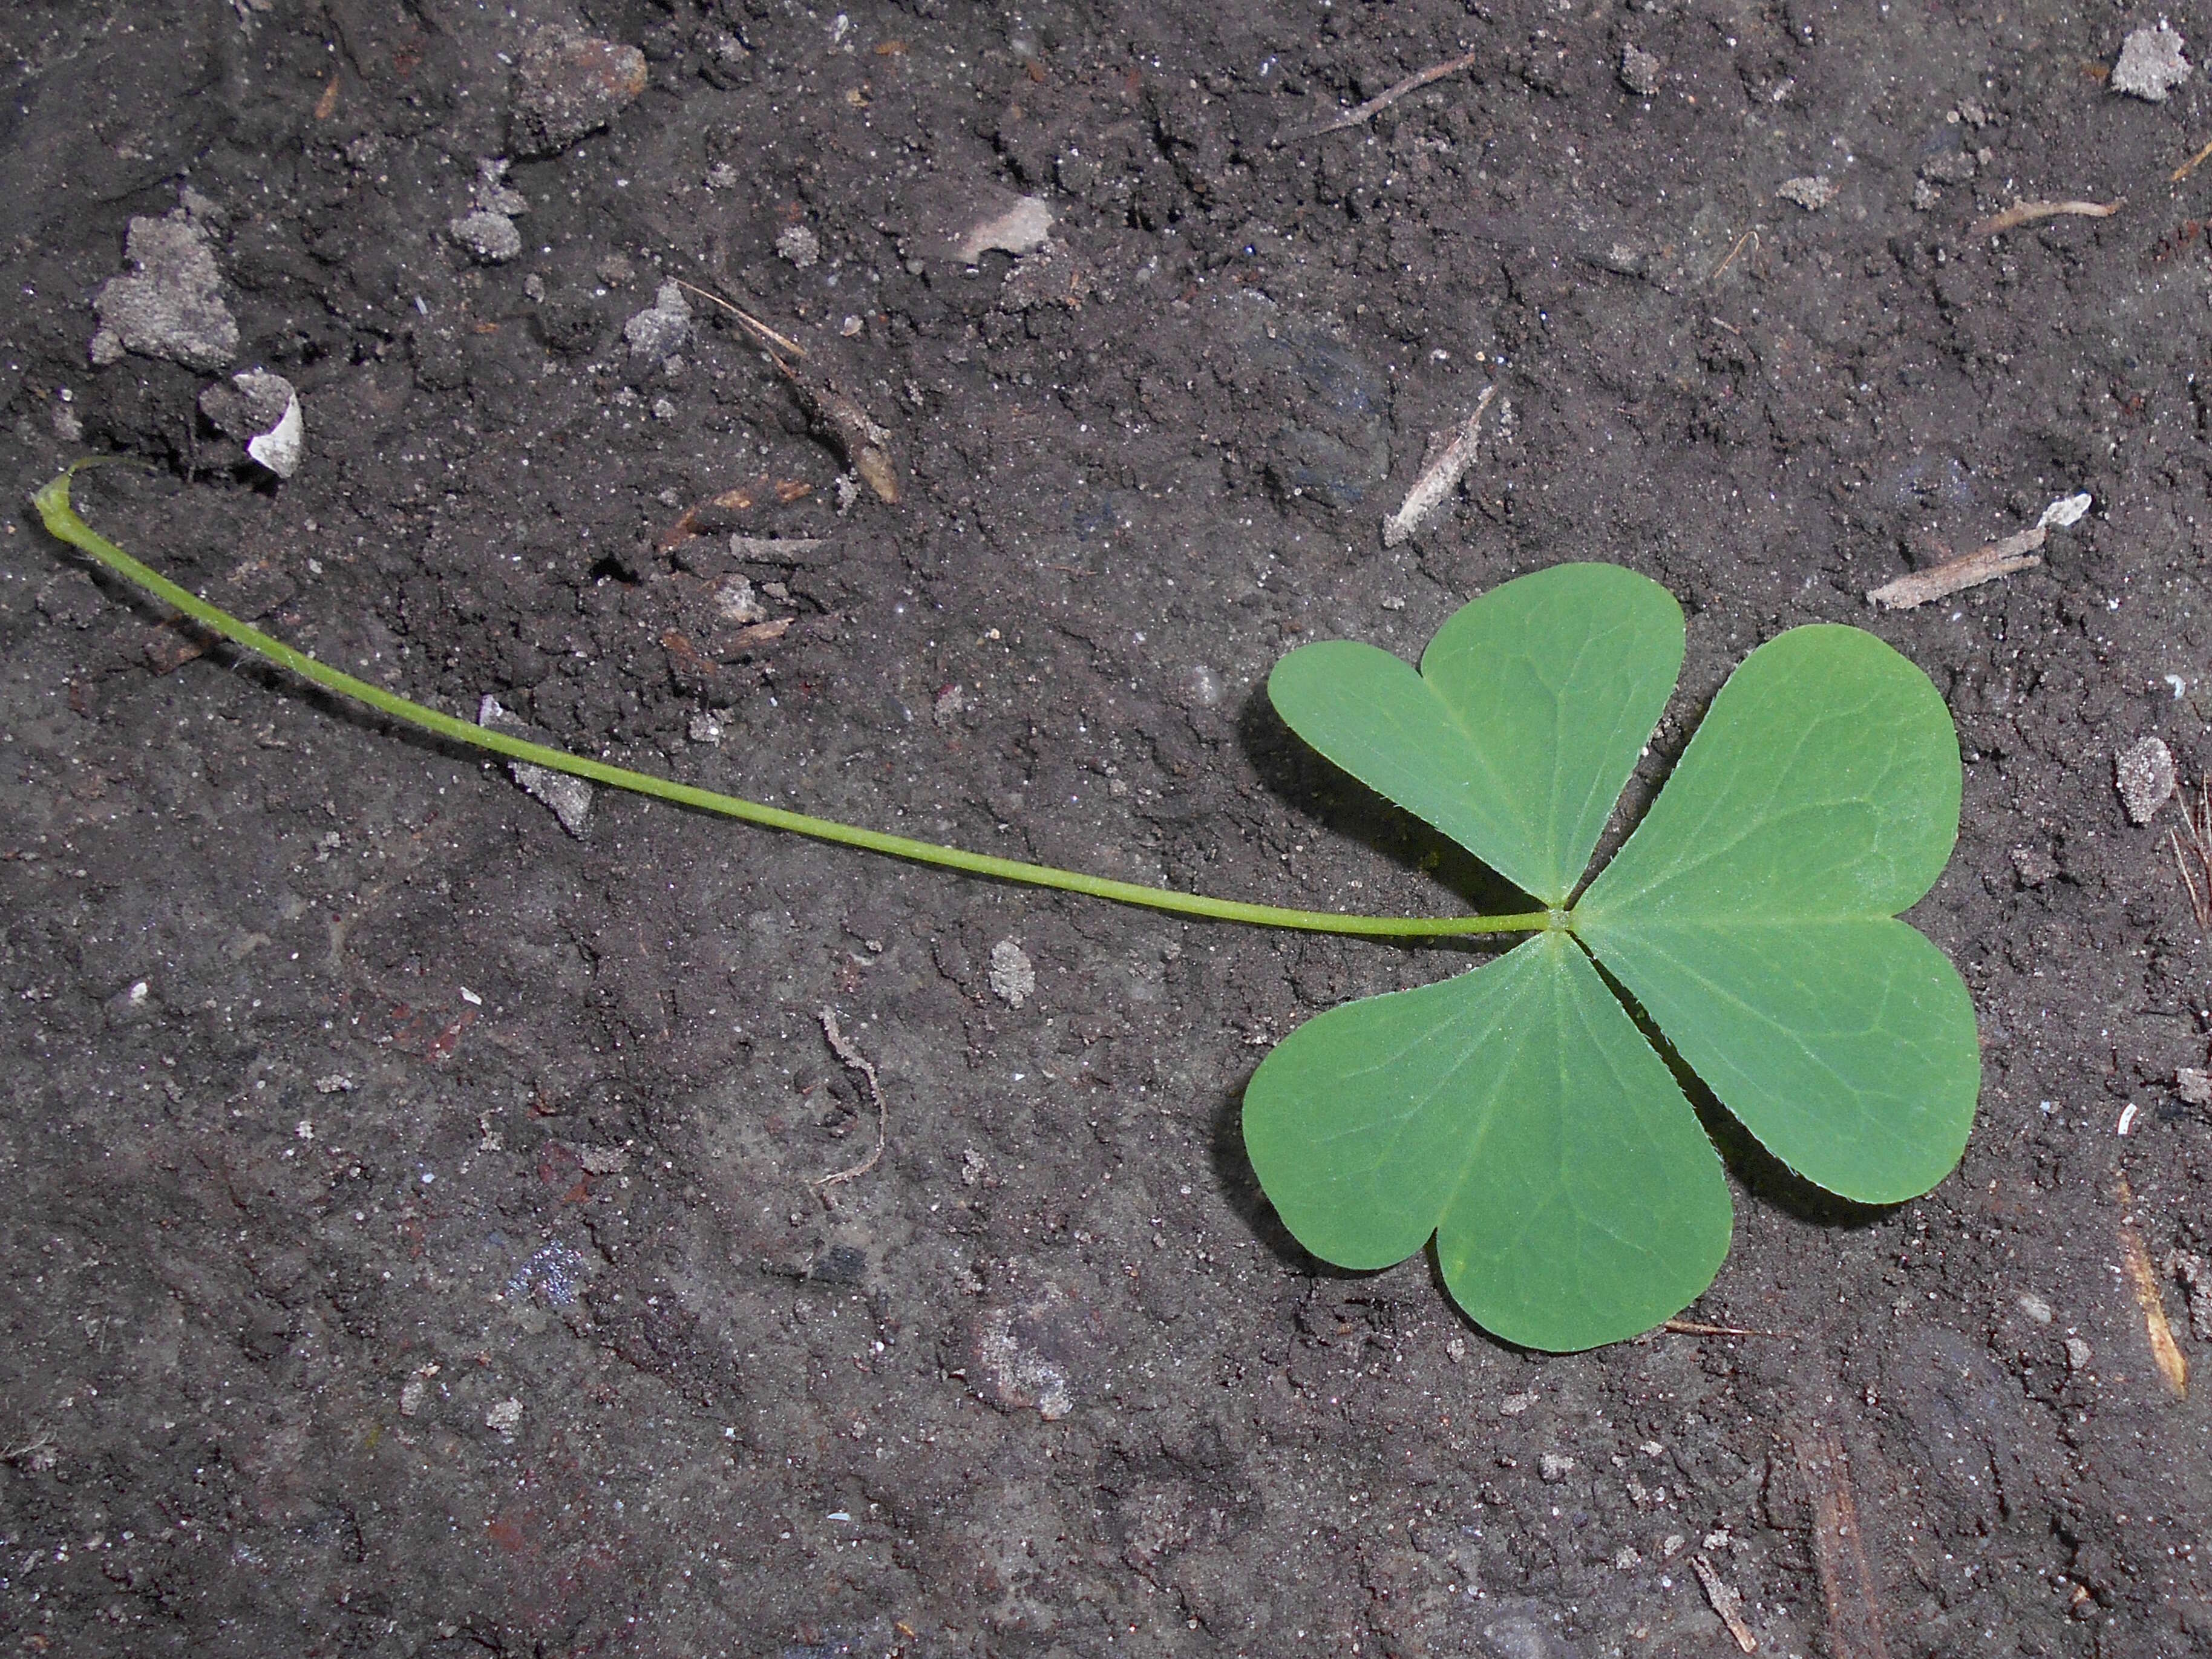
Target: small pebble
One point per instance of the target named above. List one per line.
(491, 237)
(800, 245)
(1810, 193)
(2150, 64)
(569, 84)
(171, 305)
(1013, 976)
(2143, 774)
(661, 327)
(1639, 71)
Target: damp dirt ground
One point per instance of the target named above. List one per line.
(413, 1223)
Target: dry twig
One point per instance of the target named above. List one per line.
(2004, 558)
(1692, 1328)
(1750, 236)
(854, 1060)
(2197, 829)
(759, 329)
(2189, 166)
(1847, 1588)
(1998, 559)
(1727, 1600)
(867, 445)
(1448, 458)
(1381, 101)
(2029, 213)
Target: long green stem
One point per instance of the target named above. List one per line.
(61, 521)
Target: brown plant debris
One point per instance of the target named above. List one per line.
(854, 1060)
(1381, 101)
(2189, 166)
(865, 444)
(2004, 558)
(1727, 1602)
(2029, 213)
(2165, 1352)
(1839, 1556)
(2001, 558)
(1696, 1328)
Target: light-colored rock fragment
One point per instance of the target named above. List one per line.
(568, 798)
(2143, 773)
(487, 236)
(492, 191)
(1639, 71)
(2150, 64)
(1811, 194)
(1013, 977)
(261, 410)
(1020, 229)
(416, 1389)
(799, 245)
(281, 448)
(170, 306)
(661, 328)
(2194, 1084)
(505, 1418)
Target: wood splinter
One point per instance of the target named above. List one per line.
(2003, 558)
(1839, 1557)
(1727, 1602)
(1449, 456)
(2165, 1352)
(2029, 213)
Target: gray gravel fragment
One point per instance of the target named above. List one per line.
(492, 191)
(2150, 64)
(799, 245)
(2143, 774)
(569, 84)
(662, 327)
(1013, 977)
(1810, 193)
(171, 307)
(491, 237)
(1639, 71)
(569, 798)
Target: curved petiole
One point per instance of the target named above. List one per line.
(61, 521)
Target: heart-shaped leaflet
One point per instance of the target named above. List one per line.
(1515, 1111)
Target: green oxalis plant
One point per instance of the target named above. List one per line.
(1518, 1113)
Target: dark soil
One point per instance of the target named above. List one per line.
(413, 1227)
